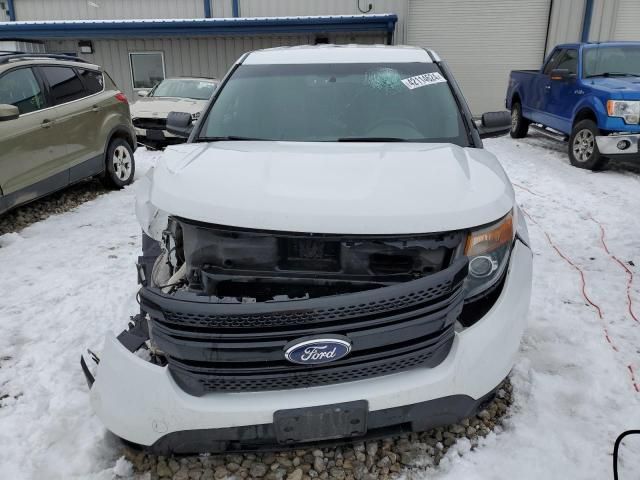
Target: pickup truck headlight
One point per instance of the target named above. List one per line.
(628, 110)
(488, 251)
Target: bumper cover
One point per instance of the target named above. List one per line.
(608, 144)
(141, 402)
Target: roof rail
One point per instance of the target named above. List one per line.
(6, 57)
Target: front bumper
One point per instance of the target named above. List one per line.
(140, 402)
(610, 144)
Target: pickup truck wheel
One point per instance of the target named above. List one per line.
(519, 124)
(120, 164)
(583, 149)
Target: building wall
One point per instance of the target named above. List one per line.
(276, 8)
(566, 22)
(122, 9)
(107, 9)
(205, 57)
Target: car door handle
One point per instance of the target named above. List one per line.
(46, 123)
(96, 108)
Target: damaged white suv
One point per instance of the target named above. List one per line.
(331, 255)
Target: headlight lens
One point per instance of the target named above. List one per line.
(488, 251)
(629, 111)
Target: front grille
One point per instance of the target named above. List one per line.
(150, 123)
(334, 313)
(213, 346)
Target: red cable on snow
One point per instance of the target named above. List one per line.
(527, 190)
(582, 279)
(633, 379)
(635, 384)
(624, 267)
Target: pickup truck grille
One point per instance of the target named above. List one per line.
(213, 346)
(150, 123)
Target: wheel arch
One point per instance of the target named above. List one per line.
(584, 113)
(123, 133)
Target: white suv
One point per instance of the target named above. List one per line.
(332, 255)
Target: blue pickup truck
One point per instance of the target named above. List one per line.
(589, 93)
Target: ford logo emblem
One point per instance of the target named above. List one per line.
(317, 351)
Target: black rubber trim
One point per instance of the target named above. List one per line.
(380, 423)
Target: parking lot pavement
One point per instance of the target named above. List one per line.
(69, 278)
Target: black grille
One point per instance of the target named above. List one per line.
(296, 317)
(205, 381)
(240, 347)
(150, 123)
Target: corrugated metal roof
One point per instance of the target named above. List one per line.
(196, 26)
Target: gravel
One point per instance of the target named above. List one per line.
(58, 202)
(406, 455)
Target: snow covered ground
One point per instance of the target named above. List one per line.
(68, 279)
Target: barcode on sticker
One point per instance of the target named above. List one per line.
(423, 80)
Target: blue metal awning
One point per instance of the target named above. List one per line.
(196, 27)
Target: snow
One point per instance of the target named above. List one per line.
(68, 279)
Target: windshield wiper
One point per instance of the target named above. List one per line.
(231, 138)
(613, 74)
(372, 139)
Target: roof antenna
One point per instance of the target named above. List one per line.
(362, 11)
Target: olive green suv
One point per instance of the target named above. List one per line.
(61, 121)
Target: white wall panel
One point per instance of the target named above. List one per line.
(275, 8)
(107, 9)
(482, 40)
(566, 22)
(627, 21)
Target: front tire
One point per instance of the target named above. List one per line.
(583, 148)
(120, 164)
(519, 124)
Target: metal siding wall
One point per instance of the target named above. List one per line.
(627, 21)
(482, 40)
(275, 8)
(108, 9)
(603, 20)
(566, 22)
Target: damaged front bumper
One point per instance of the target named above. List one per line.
(146, 404)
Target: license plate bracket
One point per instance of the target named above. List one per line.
(324, 422)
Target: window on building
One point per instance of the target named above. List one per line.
(147, 69)
(21, 89)
(92, 80)
(64, 83)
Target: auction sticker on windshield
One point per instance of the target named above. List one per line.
(423, 80)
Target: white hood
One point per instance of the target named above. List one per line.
(159, 107)
(355, 188)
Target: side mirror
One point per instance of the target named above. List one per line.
(8, 112)
(180, 124)
(561, 74)
(143, 93)
(494, 124)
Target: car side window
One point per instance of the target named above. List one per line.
(551, 62)
(65, 85)
(93, 81)
(568, 60)
(21, 89)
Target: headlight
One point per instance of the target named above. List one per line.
(630, 111)
(488, 251)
